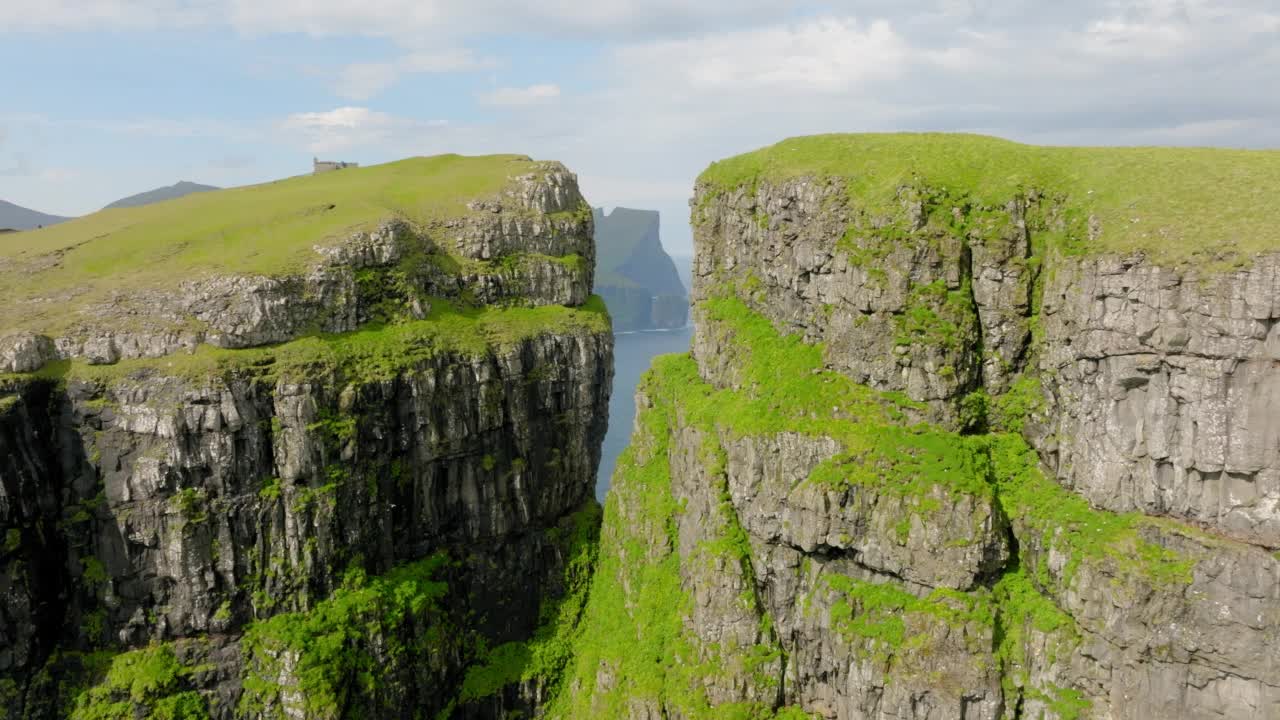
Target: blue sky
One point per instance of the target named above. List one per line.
(105, 98)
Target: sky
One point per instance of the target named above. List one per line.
(100, 99)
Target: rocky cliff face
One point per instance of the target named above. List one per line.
(349, 523)
(637, 279)
(950, 445)
(1166, 390)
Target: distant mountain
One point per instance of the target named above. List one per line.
(634, 275)
(14, 217)
(171, 192)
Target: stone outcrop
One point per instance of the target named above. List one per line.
(334, 524)
(935, 455)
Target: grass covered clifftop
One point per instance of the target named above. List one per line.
(317, 254)
(264, 229)
(267, 230)
(1170, 203)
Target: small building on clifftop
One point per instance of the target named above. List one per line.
(323, 166)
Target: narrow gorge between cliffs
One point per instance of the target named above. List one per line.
(962, 429)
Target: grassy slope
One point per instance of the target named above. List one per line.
(1169, 202)
(263, 229)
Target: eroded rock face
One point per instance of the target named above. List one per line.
(929, 312)
(191, 508)
(815, 577)
(1164, 381)
(1198, 648)
(1167, 390)
(201, 489)
(25, 352)
(952, 547)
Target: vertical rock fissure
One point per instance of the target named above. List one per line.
(975, 422)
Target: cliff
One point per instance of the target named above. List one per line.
(313, 449)
(970, 429)
(635, 276)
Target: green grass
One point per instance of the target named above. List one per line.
(784, 388)
(635, 631)
(875, 614)
(268, 229)
(633, 622)
(544, 657)
(374, 352)
(1066, 523)
(938, 317)
(635, 615)
(351, 643)
(149, 682)
(1172, 203)
(1024, 611)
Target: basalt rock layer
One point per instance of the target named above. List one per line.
(335, 492)
(969, 429)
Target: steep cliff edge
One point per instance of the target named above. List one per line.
(312, 449)
(635, 276)
(970, 429)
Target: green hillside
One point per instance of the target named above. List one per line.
(267, 229)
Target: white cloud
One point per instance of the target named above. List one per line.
(412, 18)
(355, 127)
(341, 128)
(58, 174)
(520, 97)
(343, 117)
(1224, 131)
(824, 55)
(1155, 30)
(16, 165)
(672, 85)
(52, 15)
(333, 17)
(407, 19)
(361, 81)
